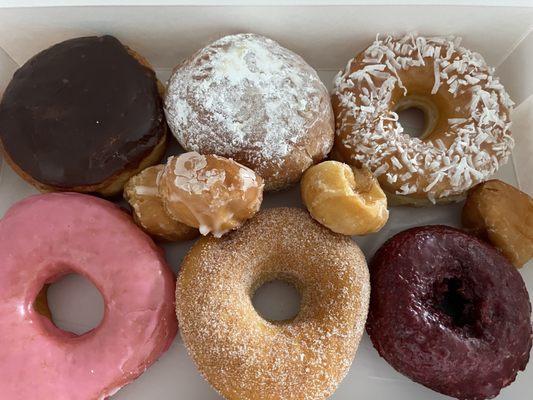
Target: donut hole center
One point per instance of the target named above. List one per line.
(417, 116)
(277, 300)
(455, 299)
(72, 303)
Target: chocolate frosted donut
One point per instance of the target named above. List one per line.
(449, 311)
(83, 115)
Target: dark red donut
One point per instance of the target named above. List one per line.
(449, 311)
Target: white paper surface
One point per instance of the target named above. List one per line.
(326, 36)
(54, 3)
(515, 70)
(522, 130)
(174, 375)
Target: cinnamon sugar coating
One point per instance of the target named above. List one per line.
(244, 356)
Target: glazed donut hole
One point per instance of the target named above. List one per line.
(208, 192)
(344, 199)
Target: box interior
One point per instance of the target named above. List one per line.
(326, 36)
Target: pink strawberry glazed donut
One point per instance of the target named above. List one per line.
(47, 236)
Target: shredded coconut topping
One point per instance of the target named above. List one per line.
(246, 97)
(476, 144)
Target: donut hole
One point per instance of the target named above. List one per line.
(277, 300)
(417, 116)
(456, 300)
(72, 303)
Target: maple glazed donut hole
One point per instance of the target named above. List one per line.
(467, 109)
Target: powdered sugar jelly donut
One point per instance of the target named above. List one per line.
(247, 98)
(47, 236)
(467, 114)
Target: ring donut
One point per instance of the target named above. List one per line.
(450, 312)
(467, 117)
(47, 236)
(241, 354)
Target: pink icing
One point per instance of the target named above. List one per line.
(47, 236)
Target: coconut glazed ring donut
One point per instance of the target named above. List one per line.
(247, 357)
(467, 117)
(45, 237)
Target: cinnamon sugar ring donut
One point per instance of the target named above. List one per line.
(467, 117)
(241, 354)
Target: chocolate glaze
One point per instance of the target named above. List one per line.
(80, 112)
(449, 311)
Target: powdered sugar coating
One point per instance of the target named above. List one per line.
(246, 97)
(247, 357)
(477, 143)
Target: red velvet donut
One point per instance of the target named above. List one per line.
(449, 311)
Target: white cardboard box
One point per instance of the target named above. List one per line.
(326, 34)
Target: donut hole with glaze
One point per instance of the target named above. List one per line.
(71, 303)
